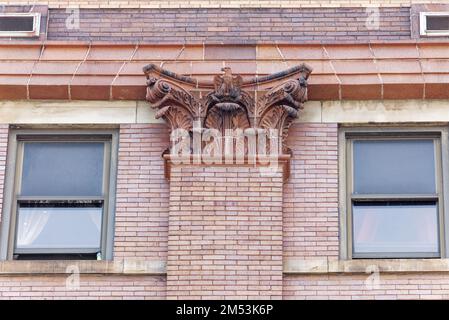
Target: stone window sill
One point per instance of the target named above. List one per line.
(291, 266)
(324, 266)
(122, 267)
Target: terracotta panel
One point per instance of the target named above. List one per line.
(359, 79)
(66, 53)
(92, 80)
(13, 92)
(269, 67)
(436, 78)
(398, 66)
(52, 67)
(437, 90)
(403, 91)
(320, 79)
(57, 92)
(181, 67)
(437, 86)
(398, 51)
(360, 87)
(191, 53)
(268, 52)
(242, 67)
(135, 67)
(14, 79)
(434, 50)
(361, 91)
(403, 78)
(91, 88)
(50, 80)
(318, 66)
(90, 92)
(129, 88)
(150, 53)
(435, 65)
(19, 52)
(127, 80)
(119, 53)
(228, 52)
(323, 87)
(207, 67)
(349, 51)
(311, 52)
(354, 66)
(323, 92)
(16, 67)
(99, 68)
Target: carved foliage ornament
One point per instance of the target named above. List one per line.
(228, 103)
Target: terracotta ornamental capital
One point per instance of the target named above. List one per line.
(228, 101)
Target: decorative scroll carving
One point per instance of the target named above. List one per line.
(229, 105)
(174, 104)
(280, 106)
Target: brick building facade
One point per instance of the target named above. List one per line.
(108, 82)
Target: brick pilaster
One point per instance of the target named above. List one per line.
(225, 233)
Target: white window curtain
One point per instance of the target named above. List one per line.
(31, 224)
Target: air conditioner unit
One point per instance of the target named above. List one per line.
(434, 24)
(20, 24)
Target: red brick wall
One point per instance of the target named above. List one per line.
(311, 194)
(358, 286)
(225, 234)
(90, 287)
(246, 25)
(226, 229)
(142, 193)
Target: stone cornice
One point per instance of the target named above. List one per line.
(107, 71)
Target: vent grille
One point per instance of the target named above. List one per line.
(19, 24)
(434, 24)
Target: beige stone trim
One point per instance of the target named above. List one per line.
(156, 267)
(217, 3)
(116, 112)
(375, 111)
(121, 267)
(324, 266)
(76, 112)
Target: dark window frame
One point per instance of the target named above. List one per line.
(12, 198)
(347, 135)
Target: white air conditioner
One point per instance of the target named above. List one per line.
(434, 24)
(20, 24)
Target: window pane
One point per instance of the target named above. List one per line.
(394, 166)
(395, 227)
(62, 169)
(58, 227)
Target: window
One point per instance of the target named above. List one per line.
(394, 199)
(62, 196)
(20, 24)
(434, 24)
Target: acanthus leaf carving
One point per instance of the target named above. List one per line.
(172, 103)
(280, 106)
(229, 105)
